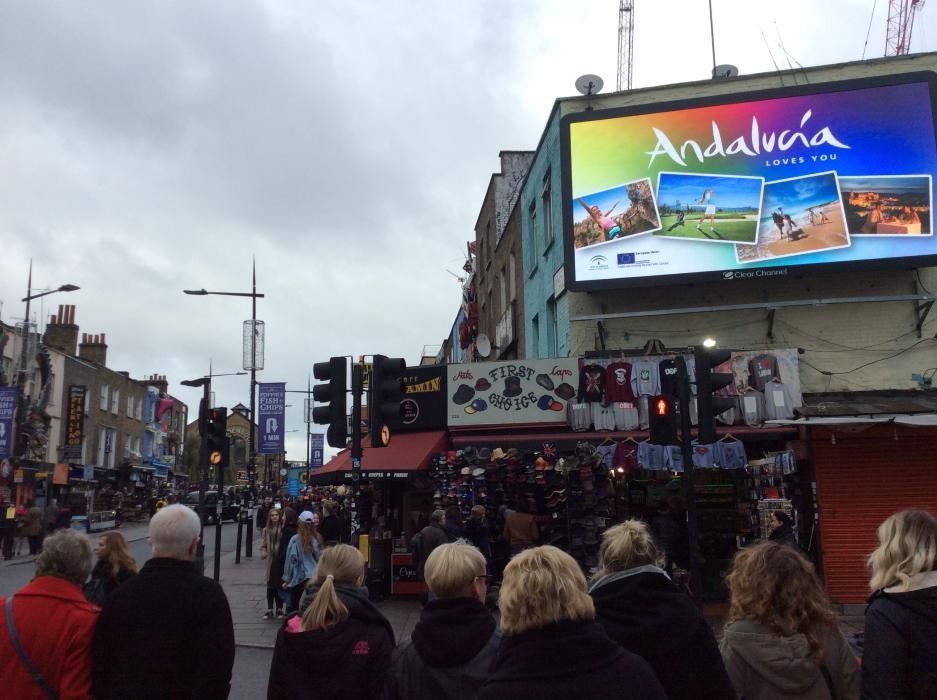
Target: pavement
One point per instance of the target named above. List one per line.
(132, 532)
(247, 595)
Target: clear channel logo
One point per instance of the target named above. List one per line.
(598, 262)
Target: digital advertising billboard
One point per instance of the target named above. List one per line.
(761, 184)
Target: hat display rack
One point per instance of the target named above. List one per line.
(569, 494)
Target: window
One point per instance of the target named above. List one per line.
(553, 336)
(535, 336)
(511, 277)
(489, 243)
(115, 401)
(503, 289)
(138, 414)
(104, 389)
(87, 401)
(547, 213)
(531, 247)
(107, 447)
(129, 407)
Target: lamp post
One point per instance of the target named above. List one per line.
(21, 375)
(205, 383)
(251, 466)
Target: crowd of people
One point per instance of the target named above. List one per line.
(166, 631)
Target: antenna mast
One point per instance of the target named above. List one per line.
(899, 25)
(625, 44)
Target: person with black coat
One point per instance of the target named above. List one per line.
(115, 566)
(642, 610)
(899, 655)
(782, 529)
(455, 642)
(167, 632)
(339, 646)
(553, 647)
(330, 527)
(288, 528)
(476, 532)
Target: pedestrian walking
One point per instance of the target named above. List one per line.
(331, 525)
(520, 530)
(641, 609)
(270, 548)
(167, 632)
(476, 532)
(782, 637)
(339, 645)
(32, 527)
(553, 647)
(288, 529)
(50, 516)
(302, 556)
(453, 525)
(899, 655)
(782, 529)
(20, 543)
(52, 626)
(431, 537)
(115, 566)
(456, 640)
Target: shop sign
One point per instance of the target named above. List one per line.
(405, 573)
(511, 393)
(75, 425)
(316, 450)
(424, 402)
(381, 475)
(7, 407)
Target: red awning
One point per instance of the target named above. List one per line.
(406, 453)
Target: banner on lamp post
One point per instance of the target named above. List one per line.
(271, 416)
(316, 450)
(7, 408)
(75, 423)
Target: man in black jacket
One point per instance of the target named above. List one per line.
(166, 633)
(455, 642)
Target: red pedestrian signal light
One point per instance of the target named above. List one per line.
(663, 421)
(662, 408)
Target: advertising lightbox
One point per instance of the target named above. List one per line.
(752, 185)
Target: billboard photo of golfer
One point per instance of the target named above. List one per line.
(709, 208)
(619, 212)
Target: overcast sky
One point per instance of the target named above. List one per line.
(149, 147)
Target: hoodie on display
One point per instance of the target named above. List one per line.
(591, 384)
(764, 666)
(899, 655)
(450, 654)
(645, 613)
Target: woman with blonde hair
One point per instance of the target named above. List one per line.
(782, 637)
(270, 546)
(553, 647)
(302, 554)
(339, 645)
(641, 609)
(115, 566)
(899, 656)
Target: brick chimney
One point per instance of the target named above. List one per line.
(93, 348)
(159, 381)
(62, 331)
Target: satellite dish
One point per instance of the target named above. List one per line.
(589, 84)
(483, 345)
(725, 70)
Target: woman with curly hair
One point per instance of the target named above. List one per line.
(641, 609)
(782, 638)
(899, 657)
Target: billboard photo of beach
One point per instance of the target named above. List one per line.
(619, 212)
(799, 215)
(888, 205)
(709, 208)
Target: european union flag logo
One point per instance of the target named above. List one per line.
(626, 258)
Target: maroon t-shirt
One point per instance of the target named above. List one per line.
(618, 382)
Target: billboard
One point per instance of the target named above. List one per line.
(512, 392)
(271, 398)
(7, 409)
(424, 401)
(75, 423)
(316, 450)
(751, 185)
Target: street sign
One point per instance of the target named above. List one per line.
(316, 450)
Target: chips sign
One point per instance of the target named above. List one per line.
(517, 392)
(756, 185)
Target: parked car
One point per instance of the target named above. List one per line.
(229, 510)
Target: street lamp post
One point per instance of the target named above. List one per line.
(205, 383)
(251, 464)
(21, 375)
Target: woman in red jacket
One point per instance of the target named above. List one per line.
(54, 622)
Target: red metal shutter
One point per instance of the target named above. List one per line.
(863, 476)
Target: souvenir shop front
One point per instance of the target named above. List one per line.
(567, 440)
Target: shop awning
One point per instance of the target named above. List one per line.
(912, 419)
(407, 453)
(564, 439)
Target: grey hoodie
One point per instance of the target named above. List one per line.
(764, 666)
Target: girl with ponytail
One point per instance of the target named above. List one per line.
(339, 645)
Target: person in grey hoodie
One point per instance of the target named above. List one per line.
(782, 639)
(899, 656)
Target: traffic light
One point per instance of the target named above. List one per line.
(334, 394)
(662, 420)
(707, 381)
(386, 393)
(216, 434)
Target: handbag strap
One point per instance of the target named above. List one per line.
(33, 671)
(829, 680)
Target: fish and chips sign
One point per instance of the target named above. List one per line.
(511, 393)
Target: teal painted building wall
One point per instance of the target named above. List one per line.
(546, 317)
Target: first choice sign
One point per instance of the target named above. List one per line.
(511, 393)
